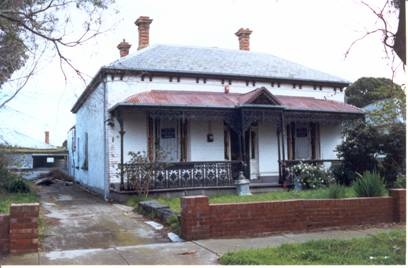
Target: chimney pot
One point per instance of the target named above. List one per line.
(143, 24)
(124, 48)
(47, 137)
(226, 89)
(243, 37)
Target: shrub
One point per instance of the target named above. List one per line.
(400, 182)
(373, 148)
(336, 191)
(174, 224)
(342, 174)
(369, 184)
(310, 176)
(18, 186)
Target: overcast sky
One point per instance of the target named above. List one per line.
(314, 33)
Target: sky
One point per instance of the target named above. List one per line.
(314, 33)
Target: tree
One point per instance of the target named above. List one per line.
(30, 27)
(367, 90)
(367, 147)
(393, 40)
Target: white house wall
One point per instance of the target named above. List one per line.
(71, 154)
(200, 148)
(268, 150)
(330, 137)
(89, 119)
(119, 90)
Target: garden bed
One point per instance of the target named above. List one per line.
(384, 248)
(7, 198)
(323, 193)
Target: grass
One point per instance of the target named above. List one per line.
(7, 198)
(383, 248)
(174, 203)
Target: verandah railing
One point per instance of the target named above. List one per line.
(181, 174)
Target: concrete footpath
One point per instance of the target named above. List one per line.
(181, 253)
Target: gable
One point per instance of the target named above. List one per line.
(260, 96)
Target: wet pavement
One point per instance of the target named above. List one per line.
(82, 229)
(75, 219)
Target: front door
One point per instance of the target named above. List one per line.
(303, 146)
(253, 153)
(169, 144)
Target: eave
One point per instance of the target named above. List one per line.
(103, 72)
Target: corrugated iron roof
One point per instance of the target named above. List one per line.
(233, 100)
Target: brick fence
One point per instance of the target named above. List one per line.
(19, 230)
(200, 220)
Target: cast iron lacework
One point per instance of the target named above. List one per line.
(183, 174)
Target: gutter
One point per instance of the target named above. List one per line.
(103, 71)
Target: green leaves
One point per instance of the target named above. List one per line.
(369, 185)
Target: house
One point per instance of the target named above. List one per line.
(28, 156)
(207, 113)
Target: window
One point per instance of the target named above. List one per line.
(85, 163)
(78, 154)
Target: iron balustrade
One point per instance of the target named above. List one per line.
(169, 175)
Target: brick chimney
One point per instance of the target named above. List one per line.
(243, 37)
(143, 23)
(47, 137)
(124, 48)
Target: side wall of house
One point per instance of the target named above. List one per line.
(89, 121)
(71, 152)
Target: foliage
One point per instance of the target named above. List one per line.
(18, 186)
(366, 147)
(367, 90)
(400, 182)
(369, 185)
(310, 176)
(174, 224)
(383, 248)
(393, 150)
(28, 28)
(387, 112)
(322, 193)
(140, 172)
(359, 150)
(336, 191)
(342, 173)
(6, 199)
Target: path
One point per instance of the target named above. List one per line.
(82, 229)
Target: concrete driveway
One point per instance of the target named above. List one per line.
(76, 219)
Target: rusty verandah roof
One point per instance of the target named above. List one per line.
(233, 100)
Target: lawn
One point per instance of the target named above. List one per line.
(7, 198)
(384, 248)
(174, 203)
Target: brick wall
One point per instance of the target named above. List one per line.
(19, 230)
(200, 220)
(4, 233)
